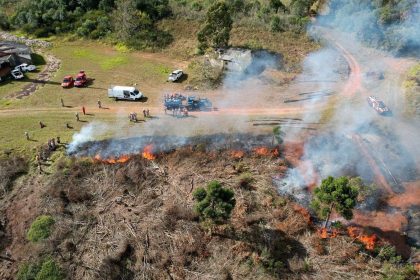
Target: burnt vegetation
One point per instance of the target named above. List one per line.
(139, 220)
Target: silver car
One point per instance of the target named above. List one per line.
(175, 75)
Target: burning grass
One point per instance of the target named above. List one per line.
(137, 216)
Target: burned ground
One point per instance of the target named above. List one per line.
(136, 220)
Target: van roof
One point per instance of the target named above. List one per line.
(123, 88)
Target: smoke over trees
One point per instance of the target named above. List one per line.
(391, 25)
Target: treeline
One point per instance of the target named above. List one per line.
(134, 21)
(89, 18)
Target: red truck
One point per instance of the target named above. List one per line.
(67, 82)
(81, 79)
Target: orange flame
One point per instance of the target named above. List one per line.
(264, 151)
(237, 154)
(368, 240)
(147, 152)
(323, 233)
(121, 159)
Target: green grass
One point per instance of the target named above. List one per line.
(41, 228)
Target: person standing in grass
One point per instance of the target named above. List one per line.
(27, 135)
(62, 102)
(84, 110)
(77, 116)
(99, 104)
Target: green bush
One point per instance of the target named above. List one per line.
(49, 271)
(40, 228)
(28, 271)
(45, 270)
(215, 202)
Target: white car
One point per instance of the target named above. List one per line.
(24, 67)
(17, 74)
(175, 75)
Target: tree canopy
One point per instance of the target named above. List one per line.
(216, 30)
(335, 194)
(215, 202)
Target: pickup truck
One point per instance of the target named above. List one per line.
(81, 79)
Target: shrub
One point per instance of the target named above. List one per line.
(214, 203)
(45, 270)
(276, 25)
(41, 228)
(49, 271)
(245, 180)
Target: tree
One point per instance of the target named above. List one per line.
(336, 194)
(217, 27)
(301, 8)
(125, 19)
(278, 134)
(277, 5)
(215, 203)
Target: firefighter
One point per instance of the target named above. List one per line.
(53, 145)
(99, 104)
(39, 164)
(84, 110)
(27, 135)
(77, 116)
(62, 102)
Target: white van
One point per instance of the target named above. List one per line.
(124, 93)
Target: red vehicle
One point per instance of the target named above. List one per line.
(67, 82)
(81, 79)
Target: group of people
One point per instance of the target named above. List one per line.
(45, 152)
(179, 112)
(174, 96)
(146, 113)
(133, 117)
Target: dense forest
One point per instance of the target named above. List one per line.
(391, 24)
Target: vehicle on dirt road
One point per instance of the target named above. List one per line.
(17, 74)
(67, 82)
(175, 75)
(124, 93)
(198, 104)
(191, 103)
(24, 67)
(378, 105)
(81, 79)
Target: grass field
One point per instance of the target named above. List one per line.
(113, 65)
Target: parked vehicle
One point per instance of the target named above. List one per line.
(67, 82)
(175, 75)
(378, 105)
(24, 67)
(191, 103)
(198, 104)
(81, 79)
(16, 74)
(124, 93)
